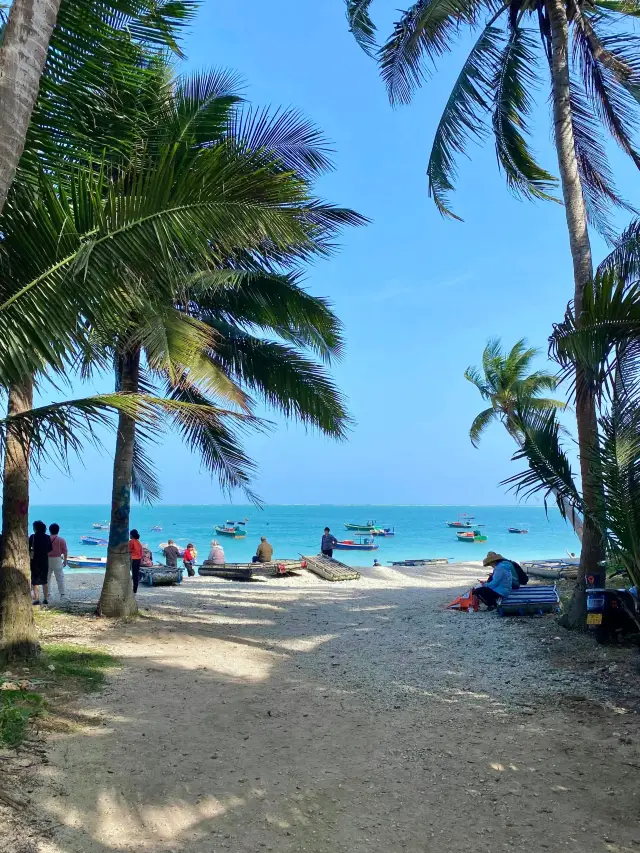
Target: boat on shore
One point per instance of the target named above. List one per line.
(364, 543)
(83, 562)
(228, 530)
(421, 561)
(363, 528)
(464, 520)
(517, 530)
(471, 536)
(93, 540)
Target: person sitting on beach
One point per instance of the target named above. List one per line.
(171, 554)
(216, 554)
(328, 543)
(264, 554)
(500, 582)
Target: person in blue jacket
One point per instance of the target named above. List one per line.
(500, 583)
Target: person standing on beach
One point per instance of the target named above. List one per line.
(189, 559)
(135, 552)
(57, 557)
(328, 543)
(171, 554)
(39, 547)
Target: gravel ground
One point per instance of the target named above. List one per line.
(297, 715)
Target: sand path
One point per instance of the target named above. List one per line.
(354, 718)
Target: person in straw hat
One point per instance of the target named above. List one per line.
(501, 582)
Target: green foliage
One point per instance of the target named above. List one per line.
(17, 708)
(506, 383)
(86, 666)
(499, 79)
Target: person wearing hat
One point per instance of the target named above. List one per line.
(500, 583)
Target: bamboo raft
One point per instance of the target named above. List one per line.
(246, 571)
(330, 570)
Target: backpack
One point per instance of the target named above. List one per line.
(523, 577)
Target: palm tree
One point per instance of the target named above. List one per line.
(242, 293)
(593, 83)
(506, 383)
(82, 34)
(504, 380)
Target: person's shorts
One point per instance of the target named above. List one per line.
(328, 552)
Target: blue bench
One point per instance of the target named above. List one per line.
(531, 599)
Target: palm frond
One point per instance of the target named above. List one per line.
(464, 114)
(361, 25)
(513, 82)
(480, 423)
(199, 106)
(549, 468)
(424, 31)
(624, 260)
(144, 482)
(283, 136)
(284, 378)
(598, 184)
(473, 375)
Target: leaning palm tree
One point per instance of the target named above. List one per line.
(506, 382)
(593, 72)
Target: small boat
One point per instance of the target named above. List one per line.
(364, 543)
(464, 520)
(383, 531)
(235, 523)
(422, 561)
(228, 530)
(101, 526)
(82, 562)
(471, 536)
(92, 540)
(518, 530)
(364, 528)
(156, 528)
(164, 545)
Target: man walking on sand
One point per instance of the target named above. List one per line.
(328, 543)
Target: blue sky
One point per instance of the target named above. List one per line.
(418, 295)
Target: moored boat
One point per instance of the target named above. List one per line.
(364, 528)
(100, 526)
(234, 523)
(156, 528)
(364, 543)
(518, 530)
(92, 540)
(234, 532)
(383, 531)
(422, 561)
(82, 562)
(471, 536)
(464, 520)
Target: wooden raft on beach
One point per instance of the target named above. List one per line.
(329, 569)
(245, 571)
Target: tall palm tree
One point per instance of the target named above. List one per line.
(506, 382)
(593, 73)
(83, 34)
(240, 294)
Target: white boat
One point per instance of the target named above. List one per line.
(101, 525)
(82, 562)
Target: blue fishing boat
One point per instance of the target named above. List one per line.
(92, 540)
(83, 562)
(364, 543)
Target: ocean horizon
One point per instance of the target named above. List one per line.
(420, 529)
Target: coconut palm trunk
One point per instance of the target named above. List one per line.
(117, 597)
(17, 626)
(22, 57)
(576, 213)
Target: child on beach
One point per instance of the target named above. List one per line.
(189, 559)
(135, 552)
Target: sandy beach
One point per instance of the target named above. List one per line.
(297, 715)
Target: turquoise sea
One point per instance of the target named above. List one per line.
(421, 531)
